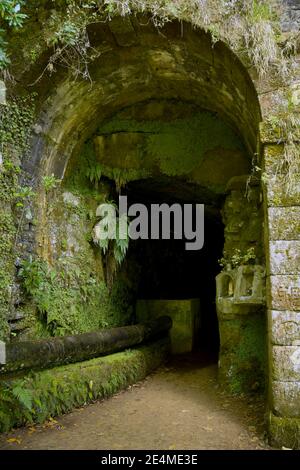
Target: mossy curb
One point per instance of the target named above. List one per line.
(284, 432)
(44, 394)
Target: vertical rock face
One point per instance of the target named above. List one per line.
(290, 20)
(240, 290)
(2, 92)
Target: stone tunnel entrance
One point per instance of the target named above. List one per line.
(166, 152)
(165, 121)
(162, 111)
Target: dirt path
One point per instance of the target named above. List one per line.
(178, 407)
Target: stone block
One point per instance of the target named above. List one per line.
(123, 149)
(284, 257)
(283, 292)
(285, 363)
(2, 92)
(279, 195)
(284, 223)
(185, 316)
(123, 31)
(284, 328)
(286, 398)
(273, 155)
(2, 352)
(270, 132)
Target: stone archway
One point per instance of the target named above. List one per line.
(205, 94)
(135, 64)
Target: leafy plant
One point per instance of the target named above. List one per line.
(94, 173)
(17, 397)
(13, 18)
(116, 232)
(67, 34)
(238, 258)
(22, 194)
(50, 182)
(33, 274)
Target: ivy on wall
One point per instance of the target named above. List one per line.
(16, 119)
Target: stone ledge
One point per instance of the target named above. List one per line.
(59, 390)
(286, 399)
(284, 328)
(285, 363)
(284, 432)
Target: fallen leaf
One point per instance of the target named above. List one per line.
(14, 440)
(31, 430)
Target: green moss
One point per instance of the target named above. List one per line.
(178, 146)
(284, 432)
(52, 392)
(66, 22)
(15, 121)
(84, 174)
(73, 300)
(244, 353)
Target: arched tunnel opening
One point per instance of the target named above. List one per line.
(172, 123)
(164, 119)
(166, 152)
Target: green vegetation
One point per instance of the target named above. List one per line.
(50, 182)
(238, 258)
(284, 432)
(285, 125)
(18, 397)
(94, 173)
(116, 227)
(43, 395)
(244, 353)
(250, 28)
(15, 123)
(12, 18)
(70, 300)
(177, 146)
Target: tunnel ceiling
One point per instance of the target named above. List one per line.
(135, 63)
(167, 150)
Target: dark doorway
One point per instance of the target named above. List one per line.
(168, 271)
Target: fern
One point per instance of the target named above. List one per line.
(23, 395)
(94, 173)
(16, 404)
(117, 241)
